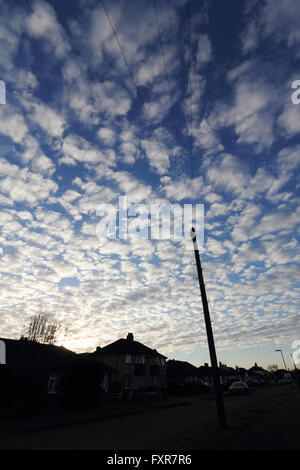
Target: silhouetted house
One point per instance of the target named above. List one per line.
(227, 375)
(39, 377)
(257, 368)
(242, 373)
(280, 374)
(181, 372)
(140, 370)
(85, 383)
(258, 373)
(184, 377)
(206, 374)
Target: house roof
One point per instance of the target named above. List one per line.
(256, 368)
(39, 359)
(128, 346)
(34, 356)
(225, 370)
(205, 371)
(181, 368)
(90, 358)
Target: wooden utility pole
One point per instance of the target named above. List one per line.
(210, 337)
(293, 362)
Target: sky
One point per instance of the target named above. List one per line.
(165, 102)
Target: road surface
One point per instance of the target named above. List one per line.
(157, 429)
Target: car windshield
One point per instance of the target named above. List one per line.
(238, 384)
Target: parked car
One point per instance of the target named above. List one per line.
(239, 388)
(285, 380)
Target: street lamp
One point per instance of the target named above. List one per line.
(280, 350)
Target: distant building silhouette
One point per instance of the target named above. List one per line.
(184, 378)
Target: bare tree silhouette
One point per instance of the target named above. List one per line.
(42, 329)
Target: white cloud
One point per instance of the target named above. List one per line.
(48, 119)
(245, 225)
(110, 98)
(228, 172)
(240, 70)
(181, 189)
(214, 247)
(282, 219)
(99, 31)
(276, 20)
(289, 158)
(158, 158)
(150, 70)
(43, 164)
(204, 50)
(78, 149)
(129, 151)
(12, 124)
(42, 24)
(22, 185)
(251, 113)
(289, 120)
(135, 190)
(205, 137)
(106, 135)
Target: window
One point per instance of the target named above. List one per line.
(127, 359)
(54, 383)
(126, 382)
(162, 361)
(104, 384)
(140, 359)
(154, 361)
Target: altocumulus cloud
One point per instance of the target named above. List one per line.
(74, 134)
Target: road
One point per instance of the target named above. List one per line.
(157, 429)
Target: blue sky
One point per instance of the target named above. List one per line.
(74, 135)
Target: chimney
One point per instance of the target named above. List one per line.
(130, 337)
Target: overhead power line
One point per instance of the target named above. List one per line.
(133, 80)
(169, 87)
(166, 72)
(190, 94)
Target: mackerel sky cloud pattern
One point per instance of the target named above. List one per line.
(74, 135)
